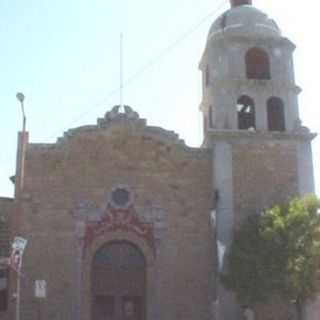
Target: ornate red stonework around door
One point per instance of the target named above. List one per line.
(119, 219)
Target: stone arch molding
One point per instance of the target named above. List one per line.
(106, 224)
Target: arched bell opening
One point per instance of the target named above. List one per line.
(246, 113)
(276, 117)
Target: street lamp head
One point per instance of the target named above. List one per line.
(20, 96)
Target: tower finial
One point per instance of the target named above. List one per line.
(236, 3)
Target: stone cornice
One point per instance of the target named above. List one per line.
(115, 121)
(271, 85)
(282, 42)
(302, 134)
(6, 199)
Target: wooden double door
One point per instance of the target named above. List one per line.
(118, 283)
(119, 308)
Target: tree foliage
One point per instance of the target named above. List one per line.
(278, 253)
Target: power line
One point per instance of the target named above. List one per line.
(152, 62)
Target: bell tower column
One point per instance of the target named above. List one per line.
(261, 153)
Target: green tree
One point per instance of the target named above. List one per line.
(277, 253)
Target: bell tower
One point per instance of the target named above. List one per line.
(261, 152)
(248, 76)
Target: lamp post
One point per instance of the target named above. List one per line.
(18, 293)
(20, 96)
(18, 247)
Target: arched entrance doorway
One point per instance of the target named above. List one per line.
(118, 282)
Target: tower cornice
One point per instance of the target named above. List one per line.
(302, 134)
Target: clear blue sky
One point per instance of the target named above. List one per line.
(64, 55)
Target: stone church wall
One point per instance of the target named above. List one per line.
(265, 173)
(171, 184)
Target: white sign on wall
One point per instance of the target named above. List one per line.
(40, 289)
(19, 243)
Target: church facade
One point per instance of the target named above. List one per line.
(123, 219)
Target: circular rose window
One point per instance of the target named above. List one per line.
(120, 197)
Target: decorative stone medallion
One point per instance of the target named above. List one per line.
(118, 215)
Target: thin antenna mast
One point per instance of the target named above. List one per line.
(121, 71)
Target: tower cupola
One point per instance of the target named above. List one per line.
(248, 76)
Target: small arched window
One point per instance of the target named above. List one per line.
(210, 117)
(246, 113)
(207, 76)
(205, 124)
(275, 110)
(258, 64)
